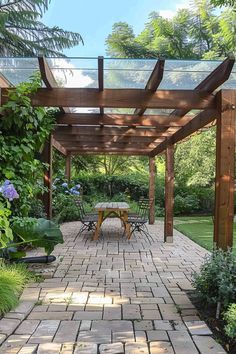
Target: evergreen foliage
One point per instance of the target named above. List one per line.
(22, 33)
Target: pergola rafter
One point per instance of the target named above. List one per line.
(144, 134)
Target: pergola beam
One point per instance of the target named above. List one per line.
(120, 153)
(58, 146)
(104, 151)
(108, 138)
(122, 120)
(118, 98)
(153, 82)
(198, 122)
(49, 79)
(4, 82)
(105, 131)
(120, 146)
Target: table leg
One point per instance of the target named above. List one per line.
(99, 223)
(127, 225)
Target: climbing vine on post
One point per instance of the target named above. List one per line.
(23, 131)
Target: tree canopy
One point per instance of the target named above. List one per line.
(22, 33)
(194, 33)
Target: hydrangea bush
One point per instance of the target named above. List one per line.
(65, 188)
(7, 194)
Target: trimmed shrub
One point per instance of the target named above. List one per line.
(216, 282)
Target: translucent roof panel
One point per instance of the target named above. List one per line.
(119, 110)
(75, 72)
(17, 70)
(84, 110)
(127, 73)
(187, 74)
(155, 111)
(118, 73)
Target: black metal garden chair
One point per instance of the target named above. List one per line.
(139, 222)
(88, 221)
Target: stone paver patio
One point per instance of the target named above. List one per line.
(112, 296)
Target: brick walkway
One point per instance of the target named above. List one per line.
(110, 297)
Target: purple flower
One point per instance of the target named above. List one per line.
(6, 183)
(8, 191)
(75, 192)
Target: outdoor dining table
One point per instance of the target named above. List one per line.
(105, 210)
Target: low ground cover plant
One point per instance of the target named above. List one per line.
(230, 319)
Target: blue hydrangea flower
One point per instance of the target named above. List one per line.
(78, 186)
(65, 185)
(8, 191)
(76, 192)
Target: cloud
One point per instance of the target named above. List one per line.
(171, 13)
(68, 75)
(167, 13)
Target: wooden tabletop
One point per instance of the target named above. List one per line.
(111, 206)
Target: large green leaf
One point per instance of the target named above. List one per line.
(40, 232)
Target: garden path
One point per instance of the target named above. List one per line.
(112, 296)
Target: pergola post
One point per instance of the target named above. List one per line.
(225, 165)
(47, 196)
(152, 177)
(169, 194)
(68, 168)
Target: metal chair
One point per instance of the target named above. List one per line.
(89, 222)
(138, 222)
(137, 212)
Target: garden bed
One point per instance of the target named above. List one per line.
(208, 314)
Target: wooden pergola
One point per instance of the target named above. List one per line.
(145, 134)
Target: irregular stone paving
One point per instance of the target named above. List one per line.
(112, 296)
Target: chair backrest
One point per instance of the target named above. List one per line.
(79, 204)
(144, 209)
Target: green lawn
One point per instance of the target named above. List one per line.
(199, 229)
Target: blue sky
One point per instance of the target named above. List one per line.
(93, 19)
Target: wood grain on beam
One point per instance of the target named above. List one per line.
(114, 131)
(47, 158)
(225, 170)
(118, 98)
(153, 81)
(119, 145)
(152, 177)
(122, 153)
(198, 122)
(105, 150)
(68, 168)
(49, 79)
(56, 144)
(102, 138)
(121, 119)
(4, 82)
(169, 194)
